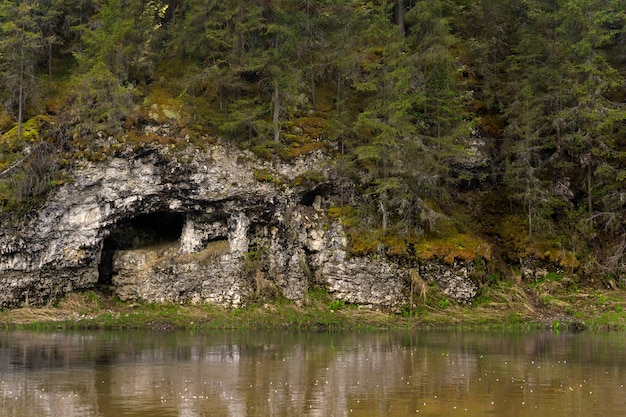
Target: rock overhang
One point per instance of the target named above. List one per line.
(198, 228)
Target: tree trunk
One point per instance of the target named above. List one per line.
(313, 97)
(237, 46)
(310, 50)
(586, 161)
(382, 200)
(20, 104)
(275, 119)
(530, 220)
(50, 57)
(400, 17)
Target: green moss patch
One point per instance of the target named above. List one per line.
(264, 175)
(289, 153)
(161, 107)
(348, 215)
(30, 133)
(457, 246)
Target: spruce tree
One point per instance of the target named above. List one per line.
(102, 100)
(589, 27)
(282, 69)
(530, 77)
(20, 43)
(222, 44)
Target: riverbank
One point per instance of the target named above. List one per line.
(509, 306)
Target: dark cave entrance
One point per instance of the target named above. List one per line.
(310, 197)
(142, 231)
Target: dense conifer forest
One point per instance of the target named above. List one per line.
(456, 125)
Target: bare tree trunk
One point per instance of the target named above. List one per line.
(586, 161)
(50, 57)
(381, 202)
(400, 17)
(313, 96)
(310, 49)
(530, 220)
(237, 47)
(20, 104)
(276, 113)
(589, 199)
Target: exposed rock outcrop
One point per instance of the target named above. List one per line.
(195, 227)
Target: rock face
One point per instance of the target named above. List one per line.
(195, 227)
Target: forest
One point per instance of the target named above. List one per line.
(452, 123)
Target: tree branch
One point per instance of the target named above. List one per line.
(9, 169)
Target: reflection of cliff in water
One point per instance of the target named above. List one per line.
(282, 374)
(37, 351)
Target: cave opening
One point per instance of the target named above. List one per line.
(309, 198)
(315, 196)
(142, 231)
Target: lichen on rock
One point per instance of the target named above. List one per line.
(192, 227)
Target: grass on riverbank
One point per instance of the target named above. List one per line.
(499, 306)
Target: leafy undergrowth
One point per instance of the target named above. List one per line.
(501, 306)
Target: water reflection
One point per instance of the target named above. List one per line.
(285, 374)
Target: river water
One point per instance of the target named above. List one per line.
(113, 374)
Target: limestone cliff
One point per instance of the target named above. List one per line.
(198, 226)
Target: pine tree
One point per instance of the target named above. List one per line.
(439, 100)
(386, 121)
(532, 72)
(116, 52)
(282, 69)
(223, 42)
(102, 100)
(591, 119)
(20, 43)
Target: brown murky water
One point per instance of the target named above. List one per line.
(285, 374)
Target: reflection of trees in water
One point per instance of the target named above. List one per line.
(284, 374)
(25, 350)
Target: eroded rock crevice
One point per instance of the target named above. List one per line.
(140, 232)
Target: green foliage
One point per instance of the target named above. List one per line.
(264, 175)
(534, 88)
(337, 305)
(100, 103)
(554, 276)
(26, 175)
(20, 42)
(515, 318)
